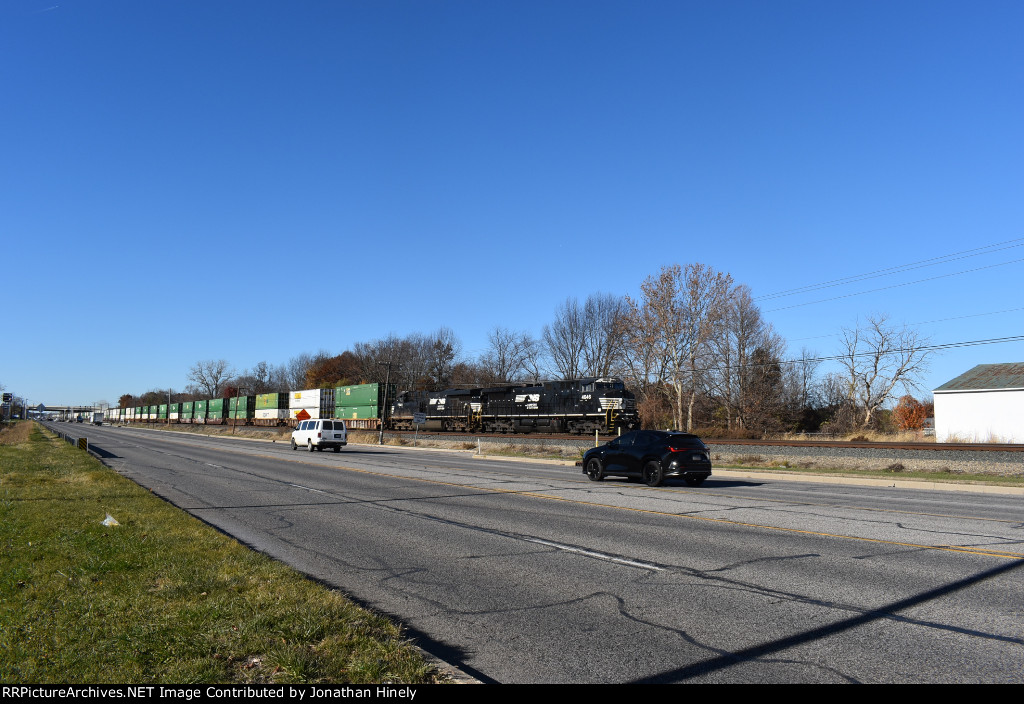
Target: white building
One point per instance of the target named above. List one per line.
(985, 404)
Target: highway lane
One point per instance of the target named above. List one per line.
(520, 572)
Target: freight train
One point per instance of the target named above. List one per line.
(586, 405)
(575, 406)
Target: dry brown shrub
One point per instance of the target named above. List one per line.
(15, 433)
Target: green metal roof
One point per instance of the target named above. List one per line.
(987, 377)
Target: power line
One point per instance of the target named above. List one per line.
(886, 288)
(833, 358)
(955, 256)
(922, 322)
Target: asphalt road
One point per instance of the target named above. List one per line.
(527, 572)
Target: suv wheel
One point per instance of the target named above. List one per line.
(653, 475)
(594, 470)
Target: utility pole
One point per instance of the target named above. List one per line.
(238, 396)
(384, 409)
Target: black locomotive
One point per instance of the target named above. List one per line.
(573, 406)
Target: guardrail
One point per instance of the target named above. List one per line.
(80, 442)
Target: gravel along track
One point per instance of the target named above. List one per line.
(941, 461)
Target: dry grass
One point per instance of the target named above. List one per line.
(991, 439)
(15, 433)
(863, 435)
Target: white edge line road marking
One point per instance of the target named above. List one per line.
(598, 555)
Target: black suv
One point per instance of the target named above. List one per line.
(651, 455)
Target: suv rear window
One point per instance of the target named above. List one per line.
(686, 441)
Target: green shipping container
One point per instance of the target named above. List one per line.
(162, 411)
(217, 408)
(200, 411)
(188, 408)
(362, 395)
(355, 412)
(242, 402)
(271, 402)
(242, 407)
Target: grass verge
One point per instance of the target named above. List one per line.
(160, 597)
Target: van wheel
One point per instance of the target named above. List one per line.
(294, 446)
(337, 449)
(309, 445)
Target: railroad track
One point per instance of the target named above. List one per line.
(822, 444)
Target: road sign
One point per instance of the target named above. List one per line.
(419, 418)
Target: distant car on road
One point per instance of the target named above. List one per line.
(650, 455)
(318, 434)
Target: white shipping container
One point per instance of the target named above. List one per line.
(310, 398)
(272, 413)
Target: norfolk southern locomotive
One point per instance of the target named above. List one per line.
(572, 406)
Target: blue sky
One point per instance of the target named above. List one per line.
(178, 178)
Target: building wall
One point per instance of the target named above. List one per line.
(980, 416)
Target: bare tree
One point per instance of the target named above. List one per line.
(444, 351)
(511, 356)
(261, 379)
(407, 357)
(602, 334)
(672, 326)
(585, 340)
(877, 356)
(644, 361)
(415, 355)
(211, 376)
(296, 368)
(565, 339)
(744, 390)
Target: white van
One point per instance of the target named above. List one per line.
(318, 434)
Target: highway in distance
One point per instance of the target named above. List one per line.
(525, 572)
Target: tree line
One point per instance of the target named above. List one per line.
(693, 346)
